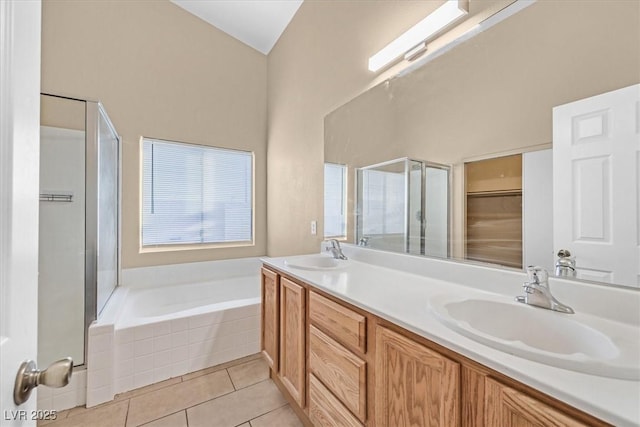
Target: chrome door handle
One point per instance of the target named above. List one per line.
(29, 377)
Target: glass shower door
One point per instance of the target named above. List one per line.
(403, 206)
(107, 239)
(79, 233)
(61, 279)
(436, 208)
(382, 206)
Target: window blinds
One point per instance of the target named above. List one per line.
(195, 194)
(335, 203)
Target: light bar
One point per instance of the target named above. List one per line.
(435, 22)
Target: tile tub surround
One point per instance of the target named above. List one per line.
(152, 353)
(235, 393)
(398, 288)
(123, 355)
(124, 359)
(74, 394)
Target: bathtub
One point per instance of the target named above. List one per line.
(153, 330)
(143, 306)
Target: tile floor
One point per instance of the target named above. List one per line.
(237, 393)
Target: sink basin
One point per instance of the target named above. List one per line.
(316, 262)
(576, 342)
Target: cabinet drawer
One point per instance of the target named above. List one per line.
(346, 325)
(340, 371)
(325, 410)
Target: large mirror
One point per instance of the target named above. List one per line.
(487, 109)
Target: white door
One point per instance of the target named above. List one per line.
(596, 159)
(19, 165)
(537, 218)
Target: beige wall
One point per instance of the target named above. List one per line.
(320, 63)
(492, 94)
(163, 73)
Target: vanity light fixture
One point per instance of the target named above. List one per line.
(413, 41)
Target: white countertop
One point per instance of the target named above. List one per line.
(402, 298)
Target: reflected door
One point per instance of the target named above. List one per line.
(596, 154)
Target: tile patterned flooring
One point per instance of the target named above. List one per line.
(237, 393)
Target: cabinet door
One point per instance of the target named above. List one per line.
(415, 386)
(292, 338)
(270, 317)
(506, 407)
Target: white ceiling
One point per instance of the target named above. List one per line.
(258, 23)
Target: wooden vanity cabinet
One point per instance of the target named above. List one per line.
(292, 339)
(415, 386)
(283, 337)
(347, 326)
(341, 366)
(325, 410)
(507, 407)
(270, 313)
(337, 359)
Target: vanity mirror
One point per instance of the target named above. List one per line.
(491, 98)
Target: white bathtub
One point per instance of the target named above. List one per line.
(148, 334)
(149, 305)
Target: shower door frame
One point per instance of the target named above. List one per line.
(92, 116)
(407, 215)
(428, 164)
(93, 110)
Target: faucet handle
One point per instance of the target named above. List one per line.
(537, 275)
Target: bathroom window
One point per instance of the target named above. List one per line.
(193, 194)
(335, 200)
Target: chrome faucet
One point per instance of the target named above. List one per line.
(335, 249)
(565, 265)
(538, 293)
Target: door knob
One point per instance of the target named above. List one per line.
(29, 377)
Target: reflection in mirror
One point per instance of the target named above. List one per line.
(494, 95)
(403, 206)
(335, 201)
(596, 185)
(494, 210)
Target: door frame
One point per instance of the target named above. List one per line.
(20, 46)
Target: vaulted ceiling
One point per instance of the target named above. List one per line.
(257, 23)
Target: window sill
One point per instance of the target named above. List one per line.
(193, 247)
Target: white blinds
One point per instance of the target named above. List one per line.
(195, 194)
(335, 203)
(383, 202)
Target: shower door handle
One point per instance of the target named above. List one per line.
(29, 377)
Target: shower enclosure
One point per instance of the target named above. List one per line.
(79, 231)
(403, 206)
